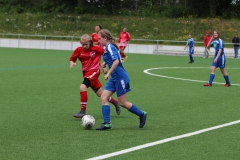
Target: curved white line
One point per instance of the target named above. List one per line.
(183, 79)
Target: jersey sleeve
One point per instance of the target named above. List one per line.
(220, 44)
(99, 50)
(128, 37)
(75, 54)
(113, 52)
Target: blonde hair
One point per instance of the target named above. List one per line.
(104, 33)
(87, 38)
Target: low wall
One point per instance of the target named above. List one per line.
(132, 48)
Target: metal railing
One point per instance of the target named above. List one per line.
(74, 41)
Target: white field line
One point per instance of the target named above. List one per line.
(162, 141)
(183, 79)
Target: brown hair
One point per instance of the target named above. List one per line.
(217, 32)
(99, 25)
(87, 37)
(107, 34)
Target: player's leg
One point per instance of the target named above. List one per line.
(237, 51)
(99, 91)
(107, 92)
(133, 109)
(211, 77)
(208, 50)
(122, 87)
(83, 98)
(225, 74)
(96, 87)
(191, 51)
(121, 50)
(205, 52)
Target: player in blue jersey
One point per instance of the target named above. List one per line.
(219, 59)
(119, 81)
(190, 44)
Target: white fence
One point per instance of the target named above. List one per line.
(71, 42)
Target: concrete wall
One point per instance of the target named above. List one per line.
(132, 48)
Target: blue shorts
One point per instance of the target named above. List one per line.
(221, 62)
(190, 50)
(121, 86)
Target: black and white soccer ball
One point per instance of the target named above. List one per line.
(88, 121)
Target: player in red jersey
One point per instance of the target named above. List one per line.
(90, 57)
(124, 37)
(206, 39)
(95, 35)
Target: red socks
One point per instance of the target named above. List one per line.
(122, 54)
(111, 100)
(83, 100)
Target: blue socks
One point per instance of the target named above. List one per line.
(191, 57)
(106, 113)
(227, 79)
(135, 110)
(211, 78)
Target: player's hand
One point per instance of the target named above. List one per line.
(105, 70)
(72, 64)
(106, 76)
(103, 65)
(215, 60)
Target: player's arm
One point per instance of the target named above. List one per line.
(186, 46)
(74, 57)
(129, 37)
(209, 43)
(219, 53)
(114, 66)
(104, 67)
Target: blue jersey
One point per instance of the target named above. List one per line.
(109, 56)
(190, 42)
(218, 44)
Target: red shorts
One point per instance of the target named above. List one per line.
(122, 47)
(93, 77)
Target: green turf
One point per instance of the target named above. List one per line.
(39, 94)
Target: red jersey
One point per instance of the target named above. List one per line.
(95, 38)
(206, 39)
(90, 59)
(124, 37)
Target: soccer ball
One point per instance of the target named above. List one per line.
(88, 121)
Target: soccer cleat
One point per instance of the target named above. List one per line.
(207, 85)
(105, 126)
(118, 109)
(125, 58)
(226, 85)
(143, 119)
(80, 114)
(191, 62)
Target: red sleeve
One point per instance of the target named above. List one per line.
(92, 36)
(128, 38)
(75, 54)
(100, 50)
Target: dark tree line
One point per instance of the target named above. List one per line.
(166, 8)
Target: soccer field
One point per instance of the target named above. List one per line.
(39, 94)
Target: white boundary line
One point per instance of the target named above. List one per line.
(162, 141)
(171, 138)
(183, 79)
